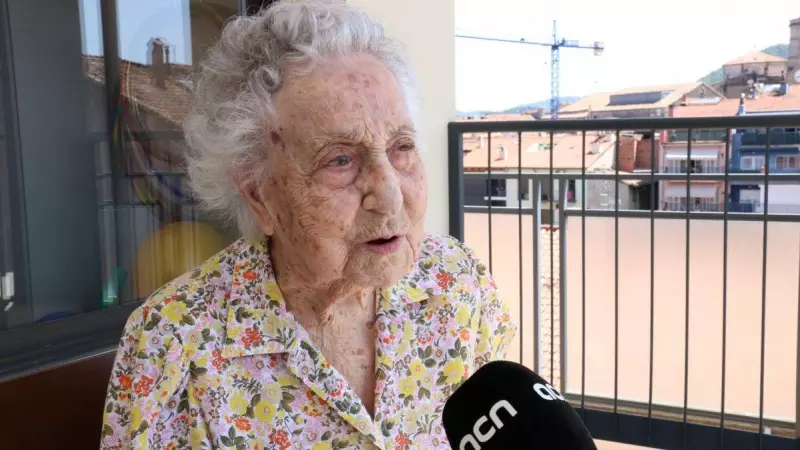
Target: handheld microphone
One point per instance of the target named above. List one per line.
(505, 405)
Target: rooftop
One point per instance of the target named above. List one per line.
(601, 102)
(170, 103)
(498, 117)
(756, 57)
(730, 107)
(569, 151)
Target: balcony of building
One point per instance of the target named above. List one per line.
(775, 139)
(697, 136)
(673, 326)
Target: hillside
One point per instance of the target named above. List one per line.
(519, 108)
(781, 50)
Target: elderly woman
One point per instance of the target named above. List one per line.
(336, 322)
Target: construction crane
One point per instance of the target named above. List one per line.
(555, 60)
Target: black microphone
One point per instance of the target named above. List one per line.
(505, 405)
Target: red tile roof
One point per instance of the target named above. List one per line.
(729, 107)
(171, 103)
(535, 153)
(756, 57)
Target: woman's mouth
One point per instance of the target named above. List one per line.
(384, 245)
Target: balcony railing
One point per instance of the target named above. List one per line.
(681, 206)
(709, 168)
(697, 135)
(653, 323)
(777, 138)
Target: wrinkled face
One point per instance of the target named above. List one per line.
(347, 197)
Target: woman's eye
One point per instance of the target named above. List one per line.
(405, 147)
(340, 161)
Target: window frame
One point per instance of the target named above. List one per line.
(36, 347)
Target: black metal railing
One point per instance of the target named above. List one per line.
(776, 139)
(609, 417)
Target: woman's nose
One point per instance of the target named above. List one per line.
(384, 195)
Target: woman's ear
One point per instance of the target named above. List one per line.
(258, 207)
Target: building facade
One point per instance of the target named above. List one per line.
(498, 178)
(749, 155)
(707, 155)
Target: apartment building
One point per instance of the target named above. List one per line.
(491, 170)
(648, 101)
(748, 147)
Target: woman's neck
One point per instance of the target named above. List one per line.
(313, 302)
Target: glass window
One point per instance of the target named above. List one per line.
(786, 162)
(97, 164)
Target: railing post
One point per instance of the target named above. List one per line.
(536, 204)
(562, 282)
(455, 174)
(797, 376)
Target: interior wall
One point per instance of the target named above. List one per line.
(426, 29)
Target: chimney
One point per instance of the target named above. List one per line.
(742, 110)
(158, 57)
(793, 64)
(480, 142)
(502, 155)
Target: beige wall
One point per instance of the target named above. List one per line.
(426, 28)
(705, 324)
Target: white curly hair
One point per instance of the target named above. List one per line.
(228, 123)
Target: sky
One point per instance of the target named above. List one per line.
(665, 42)
(139, 21)
(669, 41)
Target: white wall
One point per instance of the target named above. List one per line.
(427, 29)
(783, 198)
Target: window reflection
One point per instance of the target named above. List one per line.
(108, 216)
(159, 231)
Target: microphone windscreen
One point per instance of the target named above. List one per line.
(505, 405)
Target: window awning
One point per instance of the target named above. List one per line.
(701, 190)
(699, 154)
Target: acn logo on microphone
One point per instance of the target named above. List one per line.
(548, 392)
(479, 437)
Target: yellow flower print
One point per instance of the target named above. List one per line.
(136, 417)
(287, 381)
(174, 311)
(272, 392)
(417, 294)
(234, 332)
(321, 446)
(196, 437)
(410, 419)
(402, 348)
(202, 361)
(192, 341)
(408, 331)
(210, 267)
(385, 360)
(463, 315)
(238, 404)
(272, 324)
(417, 369)
(272, 290)
(454, 371)
(408, 386)
(265, 411)
(141, 441)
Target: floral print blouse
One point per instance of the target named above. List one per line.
(214, 360)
